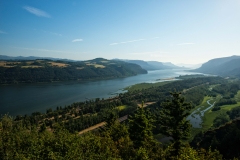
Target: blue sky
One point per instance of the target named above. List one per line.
(183, 31)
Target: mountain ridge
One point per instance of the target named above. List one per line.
(153, 65)
(31, 71)
(224, 66)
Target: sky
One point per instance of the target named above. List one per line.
(185, 31)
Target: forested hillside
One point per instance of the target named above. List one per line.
(152, 115)
(30, 71)
(225, 139)
(153, 65)
(115, 141)
(227, 66)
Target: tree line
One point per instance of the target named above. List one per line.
(133, 140)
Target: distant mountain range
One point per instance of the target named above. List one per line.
(147, 65)
(192, 66)
(226, 66)
(4, 57)
(153, 65)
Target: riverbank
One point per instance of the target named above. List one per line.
(21, 99)
(205, 122)
(141, 86)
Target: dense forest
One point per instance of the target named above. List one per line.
(31, 71)
(115, 141)
(152, 112)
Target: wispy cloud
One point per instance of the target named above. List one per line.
(180, 44)
(127, 41)
(77, 40)
(37, 12)
(43, 50)
(2, 32)
(151, 52)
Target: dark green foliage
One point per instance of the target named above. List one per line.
(220, 120)
(225, 101)
(172, 120)
(29, 144)
(190, 76)
(111, 118)
(73, 71)
(140, 127)
(196, 94)
(216, 108)
(234, 113)
(160, 93)
(226, 139)
(52, 135)
(227, 90)
(17, 142)
(81, 115)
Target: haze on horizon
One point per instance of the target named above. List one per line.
(189, 32)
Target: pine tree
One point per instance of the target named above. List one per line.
(172, 120)
(140, 127)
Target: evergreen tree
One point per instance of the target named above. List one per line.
(111, 118)
(140, 127)
(172, 120)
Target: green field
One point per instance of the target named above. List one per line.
(211, 115)
(237, 96)
(146, 85)
(204, 103)
(122, 107)
(190, 76)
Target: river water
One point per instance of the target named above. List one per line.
(21, 99)
(195, 117)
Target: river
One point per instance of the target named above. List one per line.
(21, 99)
(196, 116)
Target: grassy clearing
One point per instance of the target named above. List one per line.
(237, 96)
(146, 85)
(210, 115)
(204, 104)
(2, 63)
(190, 76)
(56, 64)
(95, 65)
(145, 104)
(99, 66)
(8, 64)
(29, 62)
(122, 107)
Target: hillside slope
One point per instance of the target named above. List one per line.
(30, 71)
(226, 66)
(225, 139)
(153, 65)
